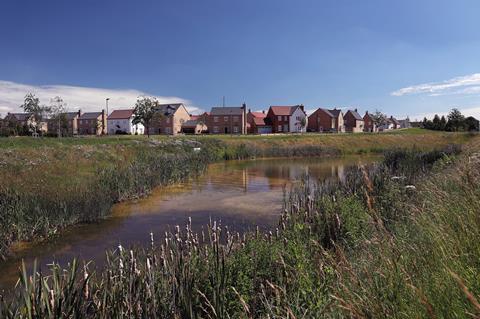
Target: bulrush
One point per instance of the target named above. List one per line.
(326, 258)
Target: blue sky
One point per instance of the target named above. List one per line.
(402, 57)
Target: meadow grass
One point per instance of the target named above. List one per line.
(397, 239)
(47, 184)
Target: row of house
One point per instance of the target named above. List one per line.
(174, 118)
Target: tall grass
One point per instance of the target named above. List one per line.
(370, 245)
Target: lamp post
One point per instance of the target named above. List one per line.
(106, 102)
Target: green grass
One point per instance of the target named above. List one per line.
(365, 247)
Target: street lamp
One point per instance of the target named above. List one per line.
(106, 102)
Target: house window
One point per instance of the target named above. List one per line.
(225, 118)
(235, 129)
(168, 130)
(279, 128)
(285, 118)
(168, 120)
(235, 118)
(279, 118)
(215, 129)
(81, 122)
(215, 119)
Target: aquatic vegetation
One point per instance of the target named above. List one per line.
(365, 246)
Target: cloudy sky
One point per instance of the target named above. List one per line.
(404, 57)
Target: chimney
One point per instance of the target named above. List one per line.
(263, 111)
(249, 110)
(302, 107)
(356, 110)
(79, 113)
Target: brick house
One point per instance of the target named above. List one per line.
(322, 120)
(68, 123)
(353, 122)
(369, 124)
(256, 123)
(196, 124)
(92, 123)
(227, 120)
(287, 119)
(22, 123)
(169, 119)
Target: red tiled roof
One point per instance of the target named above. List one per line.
(258, 114)
(259, 121)
(282, 110)
(121, 114)
(194, 117)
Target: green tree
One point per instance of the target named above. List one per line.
(456, 121)
(436, 122)
(57, 111)
(443, 123)
(379, 118)
(471, 124)
(31, 104)
(145, 112)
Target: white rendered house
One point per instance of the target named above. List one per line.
(120, 122)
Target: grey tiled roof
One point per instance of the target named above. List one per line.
(230, 110)
(335, 112)
(90, 115)
(355, 115)
(168, 109)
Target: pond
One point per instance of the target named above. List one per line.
(240, 194)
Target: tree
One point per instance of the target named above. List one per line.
(436, 122)
(57, 112)
(379, 118)
(471, 124)
(456, 121)
(31, 105)
(144, 113)
(443, 123)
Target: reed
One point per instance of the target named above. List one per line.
(365, 246)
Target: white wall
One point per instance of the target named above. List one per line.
(295, 120)
(124, 125)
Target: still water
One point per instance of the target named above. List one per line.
(240, 194)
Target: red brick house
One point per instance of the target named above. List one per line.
(369, 124)
(227, 120)
(92, 123)
(327, 121)
(353, 122)
(287, 119)
(68, 123)
(256, 123)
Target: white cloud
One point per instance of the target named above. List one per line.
(76, 97)
(469, 84)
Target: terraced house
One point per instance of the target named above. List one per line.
(169, 119)
(92, 123)
(227, 120)
(287, 119)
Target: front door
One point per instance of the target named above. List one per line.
(285, 128)
(226, 130)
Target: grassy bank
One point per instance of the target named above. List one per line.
(48, 184)
(398, 239)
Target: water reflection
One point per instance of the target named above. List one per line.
(241, 194)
